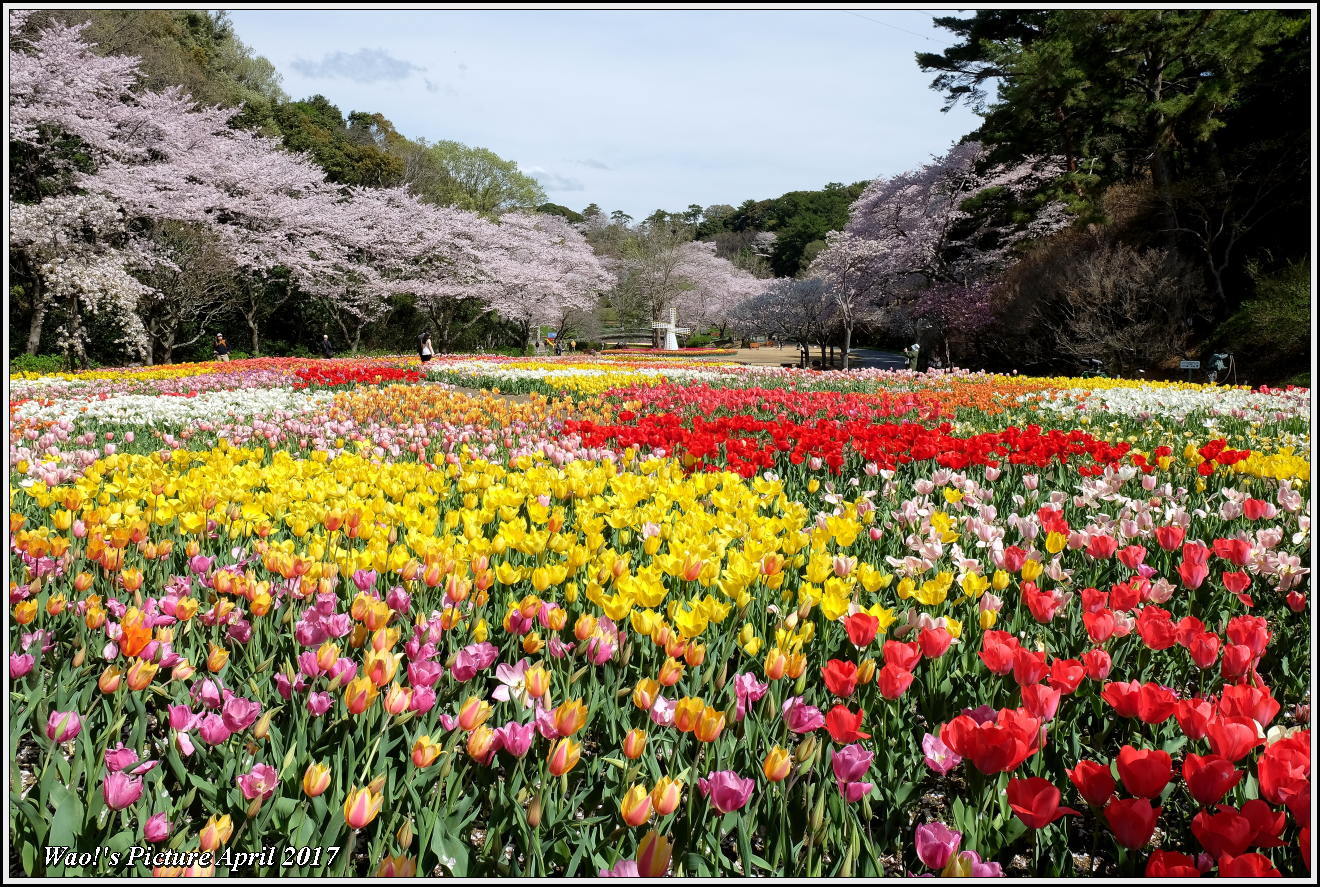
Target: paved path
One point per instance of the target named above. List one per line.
(862, 357)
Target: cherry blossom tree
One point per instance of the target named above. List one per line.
(711, 286)
(800, 311)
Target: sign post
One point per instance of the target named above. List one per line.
(1189, 366)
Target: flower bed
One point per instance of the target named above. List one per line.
(681, 619)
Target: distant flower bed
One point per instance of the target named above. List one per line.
(681, 352)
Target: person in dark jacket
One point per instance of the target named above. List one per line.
(326, 350)
(221, 347)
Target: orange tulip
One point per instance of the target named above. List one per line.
(797, 662)
(585, 626)
(217, 659)
(775, 664)
(670, 672)
(710, 723)
(481, 744)
(645, 693)
(695, 655)
(425, 751)
(361, 807)
(398, 699)
(216, 832)
(397, 867)
(537, 681)
(634, 743)
(316, 779)
(777, 764)
(666, 795)
(686, 712)
(570, 717)
(359, 695)
(110, 679)
(473, 714)
(653, 855)
(141, 673)
(635, 808)
(564, 755)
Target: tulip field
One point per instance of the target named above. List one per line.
(655, 616)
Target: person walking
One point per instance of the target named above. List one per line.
(221, 348)
(326, 350)
(424, 349)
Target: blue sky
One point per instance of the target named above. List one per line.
(635, 110)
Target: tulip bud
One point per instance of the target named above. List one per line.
(534, 812)
(404, 835)
(79, 657)
(806, 749)
(262, 727)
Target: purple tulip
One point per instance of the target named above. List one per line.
(939, 757)
(20, 665)
(851, 762)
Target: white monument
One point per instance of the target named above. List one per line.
(671, 330)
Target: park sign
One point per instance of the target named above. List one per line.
(1189, 365)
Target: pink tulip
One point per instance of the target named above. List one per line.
(120, 758)
(20, 665)
(515, 738)
(121, 790)
(62, 726)
(851, 762)
(213, 730)
(800, 717)
(748, 689)
(157, 828)
(939, 757)
(259, 782)
(726, 790)
(936, 844)
(854, 791)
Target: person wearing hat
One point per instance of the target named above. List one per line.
(221, 348)
(326, 350)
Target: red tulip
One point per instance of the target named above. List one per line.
(1171, 864)
(1188, 627)
(1204, 649)
(1227, 832)
(1238, 660)
(1042, 604)
(1036, 801)
(1066, 675)
(1123, 596)
(1028, 667)
(1097, 664)
(1101, 547)
(1132, 820)
(1267, 823)
(1233, 738)
(1100, 626)
(1169, 537)
(845, 726)
(1094, 781)
(1249, 631)
(1243, 700)
(1145, 772)
(1237, 582)
(1284, 771)
(1194, 716)
(1041, 701)
(934, 641)
(997, 649)
(904, 656)
(1156, 628)
(1304, 844)
(1248, 865)
(861, 628)
(1094, 600)
(893, 681)
(840, 677)
(995, 746)
(1132, 556)
(1193, 573)
(1155, 703)
(1124, 696)
(1233, 550)
(1209, 777)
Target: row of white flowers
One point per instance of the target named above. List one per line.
(206, 408)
